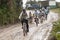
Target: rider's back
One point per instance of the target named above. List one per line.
(24, 16)
(43, 13)
(35, 14)
(46, 11)
(40, 13)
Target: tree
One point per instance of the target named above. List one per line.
(9, 11)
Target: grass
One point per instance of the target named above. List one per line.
(58, 36)
(56, 29)
(57, 10)
(56, 25)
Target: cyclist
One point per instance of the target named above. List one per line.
(30, 17)
(46, 13)
(43, 12)
(43, 8)
(48, 8)
(35, 13)
(23, 16)
(40, 13)
(36, 20)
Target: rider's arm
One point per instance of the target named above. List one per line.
(20, 16)
(27, 16)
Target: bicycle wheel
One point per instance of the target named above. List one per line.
(24, 29)
(36, 24)
(41, 19)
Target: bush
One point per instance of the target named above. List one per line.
(56, 29)
(9, 13)
(58, 36)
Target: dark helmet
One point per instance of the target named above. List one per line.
(30, 12)
(24, 10)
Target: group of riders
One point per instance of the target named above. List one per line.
(38, 16)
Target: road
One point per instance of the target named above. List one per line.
(43, 31)
(35, 33)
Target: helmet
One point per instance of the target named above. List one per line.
(24, 10)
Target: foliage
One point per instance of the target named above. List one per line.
(57, 10)
(58, 36)
(56, 25)
(9, 11)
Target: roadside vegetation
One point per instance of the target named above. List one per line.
(9, 11)
(57, 10)
(56, 29)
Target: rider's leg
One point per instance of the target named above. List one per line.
(46, 16)
(22, 23)
(24, 33)
(42, 19)
(27, 25)
(23, 20)
(30, 19)
(36, 24)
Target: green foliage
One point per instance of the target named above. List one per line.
(57, 10)
(58, 36)
(56, 25)
(56, 29)
(9, 13)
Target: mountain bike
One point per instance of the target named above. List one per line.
(24, 29)
(36, 21)
(42, 18)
